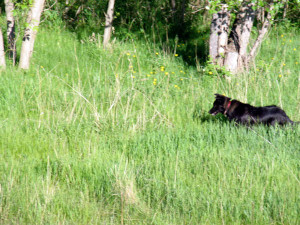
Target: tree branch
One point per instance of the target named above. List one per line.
(262, 32)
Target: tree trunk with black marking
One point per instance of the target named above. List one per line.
(33, 21)
(219, 35)
(9, 7)
(108, 22)
(236, 53)
(231, 52)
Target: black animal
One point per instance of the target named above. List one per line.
(246, 114)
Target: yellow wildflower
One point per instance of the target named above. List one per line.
(176, 55)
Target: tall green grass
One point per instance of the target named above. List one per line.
(122, 136)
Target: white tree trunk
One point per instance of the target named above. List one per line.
(33, 21)
(239, 39)
(231, 61)
(2, 53)
(108, 22)
(219, 35)
(9, 7)
(213, 39)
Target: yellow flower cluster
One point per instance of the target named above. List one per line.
(155, 81)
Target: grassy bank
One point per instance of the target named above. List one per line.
(123, 136)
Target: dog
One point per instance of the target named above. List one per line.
(247, 114)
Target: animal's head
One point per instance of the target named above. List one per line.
(219, 104)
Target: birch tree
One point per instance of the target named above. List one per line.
(108, 22)
(33, 21)
(230, 49)
(2, 53)
(236, 54)
(219, 35)
(9, 7)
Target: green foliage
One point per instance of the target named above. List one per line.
(77, 14)
(93, 136)
(212, 70)
(234, 5)
(20, 12)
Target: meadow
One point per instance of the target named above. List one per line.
(123, 136)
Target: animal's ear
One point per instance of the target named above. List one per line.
(218, 95)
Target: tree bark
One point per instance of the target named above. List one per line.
(239, 39)
(2, 53)
(33, 21)
(285, 9)
(219, 35)
(108, 22)
(9, 7)
(260, 15)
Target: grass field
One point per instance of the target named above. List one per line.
(123, 136)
